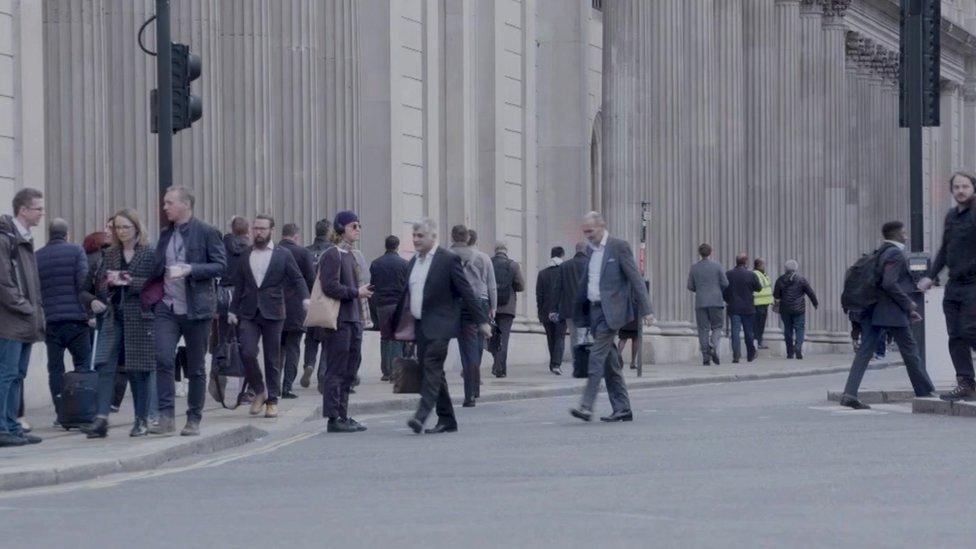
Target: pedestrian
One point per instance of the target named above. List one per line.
(340, 277)
(708, 282)
(125, 342)
(21, 313)
(762, 298)
(294, 328)
(570, 273)
(548, 293)
(237, 243)
(480, 274)
(388, 274)
(612, 293)
(314, 336)
(63, 271)
(436, 292)
(895, 312)
(789, 294)
(262, 280)
(189, 257)
(958, 254)
(509, 281)
(740, 296)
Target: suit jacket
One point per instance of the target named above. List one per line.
(294, 308)
(548, 290)
(207, 258)
(570, 273)
(446, 290)
(623, 295)
(707, 279)
(739, 293)
(894, 301)
(388, 274)
(268, 299)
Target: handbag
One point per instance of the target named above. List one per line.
(406, 326)
(323, 311)
(151, 294)
(407, 376)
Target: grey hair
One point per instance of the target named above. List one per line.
(501, 246)
(791, 265)
(596, 217)
(58, 227)
(425, 225)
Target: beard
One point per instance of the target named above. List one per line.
(261, 242)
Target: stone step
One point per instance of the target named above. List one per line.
(876, 397)
(941, 407)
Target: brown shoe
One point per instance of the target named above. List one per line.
(258, 403)
(271, 411)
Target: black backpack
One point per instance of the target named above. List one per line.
(862, 281)
(504, 279)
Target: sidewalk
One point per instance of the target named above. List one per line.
(69, 457)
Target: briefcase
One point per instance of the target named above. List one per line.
(407, 376)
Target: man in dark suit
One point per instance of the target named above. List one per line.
(388, 275)
(570, 273)
(548, 293)
(739, 295)
(436, 291)
(261, 283)
(894, 313)
(294, 328)
(189, 257)
(611, 294)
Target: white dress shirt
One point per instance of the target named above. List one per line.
(418, 278)
(260, 260)
(596, 268)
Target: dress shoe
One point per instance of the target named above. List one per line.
(139, 429)
(706, 362)
(442, 428)
(384, 377)
(581, 413)
(336, 425)
(6, 439)
(165, 426)
(416, 425)
(258, 403)
(98, 428)
(853, 402)
(191, 429)
(715, 358)
(271, 411)
(623, 415)
(799, 355)
(751, 358)
(735, 361)
(289, 395)
(468, 404)
(556, 371)
(355, 425)
(306, 380)
(31, 439)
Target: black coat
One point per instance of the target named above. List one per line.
(791, 291)
(207, 258)
(388, 275)
(294, 309)
(570, 275)
(236, 247)
(894, 301)
(739, 293)
(63, 270)
(269, 299)
(958, 249)
(446, 290)
(548, 291)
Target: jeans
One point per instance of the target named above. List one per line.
(390, 350)
(269, 334)
(14, 359)
(794, 326)
(500, 367)
(762, 313)
(343, 347)
(168, 328)
(291, 351)
(906, 346)
(471, 346)
(605, 363)
(75, 337)
(747, 324)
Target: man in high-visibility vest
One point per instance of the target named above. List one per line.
(762, 299)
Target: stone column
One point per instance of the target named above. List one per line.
(730, 124)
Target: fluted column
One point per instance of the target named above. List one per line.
(730, 123)
(810, 173)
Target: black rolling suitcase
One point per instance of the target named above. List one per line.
(78, 401)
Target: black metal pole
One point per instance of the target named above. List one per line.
(916, 174)
(643, 269)
(164, 96)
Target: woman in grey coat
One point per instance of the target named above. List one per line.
(125, 342)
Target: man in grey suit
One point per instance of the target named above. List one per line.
(611, 294)
(708, 281)
(894, 313)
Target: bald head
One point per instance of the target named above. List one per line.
(594, 228)
(741, 259)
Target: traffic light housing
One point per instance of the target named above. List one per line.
(928, 15)
(187, 108)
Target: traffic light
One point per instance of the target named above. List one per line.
(187, 108)
(921, 22)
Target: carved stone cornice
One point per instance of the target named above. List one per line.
(836, 8)
(872, 60)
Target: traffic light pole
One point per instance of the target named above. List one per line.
(164, 77)
(914, 81)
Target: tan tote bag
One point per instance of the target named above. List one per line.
(323, 311)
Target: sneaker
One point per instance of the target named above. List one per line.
(289, 395)
(6, 439)
(965, 390)
(24, 426)
(31, 439)
(352, 423)
(164, 426)
(853, 402)
(306, 380)
(113, 409)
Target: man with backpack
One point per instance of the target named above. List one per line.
(508, 277)
(958, 254)
(877, 289)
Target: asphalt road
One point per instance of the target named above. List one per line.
(757, 464)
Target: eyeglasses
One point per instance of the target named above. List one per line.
(124, 227)
(355, 226)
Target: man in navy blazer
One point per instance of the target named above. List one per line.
(611, 295)
(265, 274)
(190, 255)
(894, 313)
